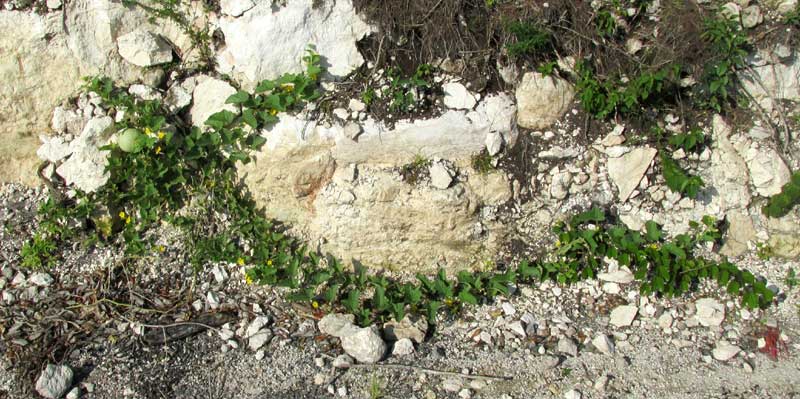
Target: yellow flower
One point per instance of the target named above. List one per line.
(288, 87)
(269, 262)
(158, 150)
(122, 215)
(653, 246)
(128, 220)
(273, 112)
(148, 132)
(240, 262)
(248, 279)
(161, 135)
(315, 304)
(161, 248)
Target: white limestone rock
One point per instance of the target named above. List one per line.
(144, 48)
(542, 100)
(209, 97)
(627, 171)
(364, 344)
(265, 41)
(456, 96)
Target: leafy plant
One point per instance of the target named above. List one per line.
(407, 92)
(547, 68)
(793, 17)
(693, 141)
(414, 171)
(678, 180)
(530, 38)
(603, 98)
(781, 204)
(605, 24)
(791, 279)
(730, 45)
(482, 162)
(39, 252)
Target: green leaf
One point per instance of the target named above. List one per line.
(249, 118)
(467, 297)
(653, 231)
(240, 97)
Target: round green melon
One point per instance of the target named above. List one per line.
(129, 140)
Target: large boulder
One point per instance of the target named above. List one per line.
(542, 100)
(46, 55)
(267, 41)
(350, 197)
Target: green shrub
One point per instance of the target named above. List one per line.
(604, 98)
(678, 180)
(530, 38)
(781, 204)
(730, 45)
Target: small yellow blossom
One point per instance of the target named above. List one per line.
(288, 87)
(653, 246)
(273, 112)
(269, 262)
(248, 279)
(315, 304)
(161, 248)
(158, 150)
(161, 135)
(148, 132)
(240, 262)
(128, 220)
(122, 215)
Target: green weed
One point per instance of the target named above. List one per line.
(482, 162)
(730, 44)
(530, 38)
(782, 203)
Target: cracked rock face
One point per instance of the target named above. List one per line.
(264, 42)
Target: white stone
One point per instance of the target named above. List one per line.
(364, 344)
(665, 321)
(85, 168)
(212, 299)
(74, 393)
(144, 48)
(356, 105)
(210, 96)
(622, 275)
(54, 381)
(256, 325)
(542, 100)
(403, 347)
(710, 312)
(633, 45)
(260, 339)
(268, 41)
(144, 92)
(456, 96)
(508, 309)
(337, 324)
(622, 316)
(53, 149)
(494, 143)
(751, 16)
(54, 4)
(235, 8)
(567, 346)
(41, 279)
(441, 175)
(517, 328)
(343, 362)
(412, 327)
(725, 351)
(559, 188)
(774, 81)
(604, 344)
(627, 171)
(768, 172)
(573, 394)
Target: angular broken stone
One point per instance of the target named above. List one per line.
(622, 316)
